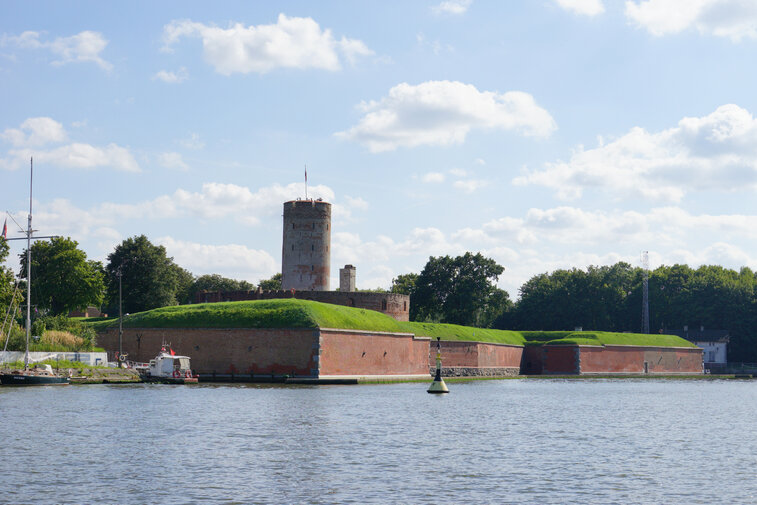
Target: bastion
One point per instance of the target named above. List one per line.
(256, 340)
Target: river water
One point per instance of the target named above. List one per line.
(534, 441)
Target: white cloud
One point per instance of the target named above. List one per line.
(290, 43)
(215, 201)
(231, 260)
(171, 77)
(734, 19)
(717, 151)
(172, 160)
(85, 46)
(34, 133)
(452, 7)
(434, 177)
(583, 7)
(458, 172)
(442, 113)
(193, 142)
(356, 202)
(469, 185)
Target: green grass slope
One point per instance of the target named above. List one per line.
(293, 313)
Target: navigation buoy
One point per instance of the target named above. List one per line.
(438, 386)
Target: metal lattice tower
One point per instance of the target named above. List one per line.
(645, 293)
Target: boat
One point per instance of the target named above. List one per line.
(169, 367)
(39, 375)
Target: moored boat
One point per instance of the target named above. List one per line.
(36, 376)
(168, 367)
(39, 375)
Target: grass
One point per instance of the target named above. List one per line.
(76, 365)
(293, 313)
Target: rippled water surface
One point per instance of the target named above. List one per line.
(511, 441)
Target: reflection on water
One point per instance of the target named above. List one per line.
(512, 441)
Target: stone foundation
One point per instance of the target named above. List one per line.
(476, 372)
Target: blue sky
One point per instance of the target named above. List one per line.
(545, 134)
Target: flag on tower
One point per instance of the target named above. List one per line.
(5, 229)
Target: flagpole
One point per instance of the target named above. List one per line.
(306, 181)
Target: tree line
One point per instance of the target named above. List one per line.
(459, 290)
(463, 290)
(64, 280)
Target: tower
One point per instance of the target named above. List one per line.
(306, 255)
(347, 279)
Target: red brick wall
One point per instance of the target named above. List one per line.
(345, 352)
(244, 351)
(392, 304)
(463, 354)
(533, 360)
(623, 359)
(560, 359)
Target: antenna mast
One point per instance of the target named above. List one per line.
(645, 293)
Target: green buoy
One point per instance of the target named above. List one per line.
(438, 386)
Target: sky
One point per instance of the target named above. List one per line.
(544, 134)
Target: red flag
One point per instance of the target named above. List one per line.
(5, 229)
(172, 353)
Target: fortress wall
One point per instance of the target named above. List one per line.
(618, 359)
(224, 351)
(532, 360)
(363, 353)
(560, 359)
(392, 304)
(465, 358)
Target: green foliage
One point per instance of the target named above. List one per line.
(62, 278)
(609, 298)
(458, 290)
(62, 363)
(150, 279)
(215, 282)
(293, 313)
(272, 284)
(404, 284)
(45, 324)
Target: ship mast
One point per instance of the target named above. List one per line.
(29, 267)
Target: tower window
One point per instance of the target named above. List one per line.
(312, 247)
(293, 226)
(312, 268)
(292, 247)
(314, 226)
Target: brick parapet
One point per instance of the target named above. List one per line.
(392, 304)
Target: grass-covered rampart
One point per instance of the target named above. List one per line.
(293, 313)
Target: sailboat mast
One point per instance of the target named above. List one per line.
(29, 267)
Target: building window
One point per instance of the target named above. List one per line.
(383, 304)
(312, 247)
(293, 226)
(314, 226)
(292, 247)
(312, 268)
(404, 305)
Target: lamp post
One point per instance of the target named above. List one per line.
(120, 312)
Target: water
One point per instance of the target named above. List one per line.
(512, 441)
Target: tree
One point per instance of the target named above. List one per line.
(62, 278)
(149, 278)
(9, 304)
(404, 284)
(184, 282)
(272, 284)
(457, 290)
(215, 282)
